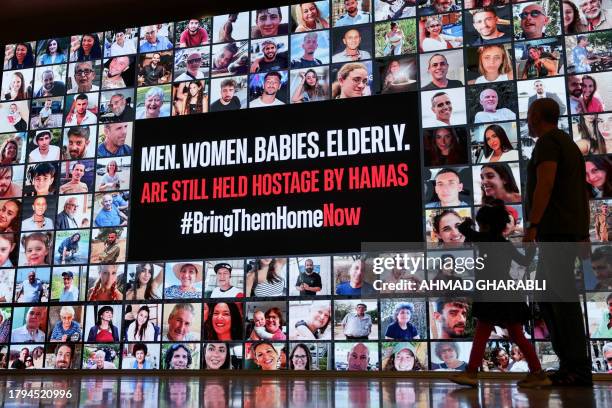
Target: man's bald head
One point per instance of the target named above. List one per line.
(546, 109)
(542, 116)
(358, 358)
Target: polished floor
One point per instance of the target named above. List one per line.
(271, 392)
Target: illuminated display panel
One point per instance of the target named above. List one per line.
(94, 275)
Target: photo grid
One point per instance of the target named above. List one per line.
(70, 300)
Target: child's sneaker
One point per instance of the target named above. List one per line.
(534, 380)
(465, 378)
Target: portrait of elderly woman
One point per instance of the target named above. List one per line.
(401, 328)
(310, 322)
(67, 329)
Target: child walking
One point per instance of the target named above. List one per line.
(498, 254)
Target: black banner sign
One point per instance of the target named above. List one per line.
(310, 178)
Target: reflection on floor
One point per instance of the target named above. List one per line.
(150, 392)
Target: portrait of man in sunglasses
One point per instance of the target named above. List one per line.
(193, 71)
(533, 20)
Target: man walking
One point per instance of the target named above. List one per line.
(558, 211)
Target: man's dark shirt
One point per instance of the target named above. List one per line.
(313, 280)
(280, 62)
(126, 116)
(568, 209)
(452, 83)
(233, 104)
(152, 75)
(303, 63)
(58, 89)
(480, 41)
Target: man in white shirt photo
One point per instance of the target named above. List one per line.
(121, 46)
(224, 285)
(84, 75)
(31, 289)
(45, 150)
(271, 86)
(80, 115)
(490, 113)
(30, 332)
(442, 107)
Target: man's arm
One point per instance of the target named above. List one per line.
(560, 103)
(183, 41)
(255, 65)
(344, 321)
(115, 253)
(581, 57)
(105, 256)
(546, 173)
(41, 291)
(44, 119)
(316, 288)
(298, 282)
(579, 106)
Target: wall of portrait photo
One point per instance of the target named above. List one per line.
(97, 275)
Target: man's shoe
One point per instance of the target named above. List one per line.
(571, 380)
(470, 379)
(535, 380)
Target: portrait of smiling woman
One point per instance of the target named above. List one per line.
(147, 282)
(224, 321)
(300, 358)
(401, 328)
(10, 215)
(105, 286)
(9, 153)
(444, 227)
(266, 277)
(85, 48)
(495, 145)
(189, 277)
(266, 356)
(403, 357)
(497, 181)
(599, 176)
(141, 328)
(180, 357)
(218, 356)
(310, 322)
(309, 16)
(52, 52)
